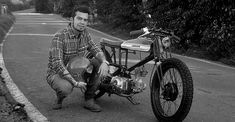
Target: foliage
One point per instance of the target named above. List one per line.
(6, 21)
(32, 2)
(44, 6)
(66, 6)
(15, 7)
(124, 14)
(205, 24)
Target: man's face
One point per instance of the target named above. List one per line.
(80, 21)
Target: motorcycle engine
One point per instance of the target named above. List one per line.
(121, 84)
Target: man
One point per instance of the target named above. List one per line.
(68, 43)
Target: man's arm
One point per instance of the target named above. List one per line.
(95, 50)
(56, 52)
(101, 57)
(103, 70)
(66, 75)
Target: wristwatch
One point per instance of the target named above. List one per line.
(106, 62)
(76, 83)
(65, 73)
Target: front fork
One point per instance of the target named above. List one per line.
(160, 54)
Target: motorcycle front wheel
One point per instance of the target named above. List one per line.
(171, 91)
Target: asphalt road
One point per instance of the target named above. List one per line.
(25, 55)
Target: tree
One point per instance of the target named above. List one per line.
(120, 13)
(43, 6)
(205, 24)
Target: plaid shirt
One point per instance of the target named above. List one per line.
(66, 45)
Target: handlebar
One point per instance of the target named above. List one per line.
(176, 37)
(137, 32)
(159, 32)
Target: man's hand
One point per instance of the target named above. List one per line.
(81, 85)
(103, 70)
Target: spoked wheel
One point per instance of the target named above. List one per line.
(100, 92)
(171, 91)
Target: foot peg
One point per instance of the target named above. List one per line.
(133, 101)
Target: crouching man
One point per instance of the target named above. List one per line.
(75, 41)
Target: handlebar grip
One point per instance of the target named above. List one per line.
(136, 32)
(177, 38)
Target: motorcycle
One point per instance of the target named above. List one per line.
(170, 80)
(171, 83)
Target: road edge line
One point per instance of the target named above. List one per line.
(32, 112)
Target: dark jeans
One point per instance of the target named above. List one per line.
(92, 80)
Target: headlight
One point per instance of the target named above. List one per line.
(166, 42)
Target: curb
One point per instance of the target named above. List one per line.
(32, 112)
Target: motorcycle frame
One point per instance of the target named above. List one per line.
(113, 48)
(154, 53)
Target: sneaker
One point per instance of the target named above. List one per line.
(58, 103)
(57, 106)
(92, 106)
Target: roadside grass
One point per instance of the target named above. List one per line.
(6, 21)
(10, 110)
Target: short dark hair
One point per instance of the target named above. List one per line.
(83, 9)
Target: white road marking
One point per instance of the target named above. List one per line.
(31, 14)
(60, 21)
(43, 23)
(29, 34)
(32, 112)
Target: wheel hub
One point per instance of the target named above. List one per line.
(170, 92)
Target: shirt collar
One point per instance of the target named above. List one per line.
(71, 30)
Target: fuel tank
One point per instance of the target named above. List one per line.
(138, 44)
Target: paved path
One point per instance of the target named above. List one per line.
(25, 55)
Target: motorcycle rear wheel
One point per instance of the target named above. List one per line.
(165, 92)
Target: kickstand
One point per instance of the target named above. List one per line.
(133, 101)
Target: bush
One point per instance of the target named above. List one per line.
(206, 24)
(6, 22)
(44, 6)
(124, 14)
(66, 6)
(15, 7)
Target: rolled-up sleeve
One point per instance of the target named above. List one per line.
(56, 53)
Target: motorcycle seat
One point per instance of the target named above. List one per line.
(111, 42)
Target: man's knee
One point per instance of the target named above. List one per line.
(96, 63)
(61, 86)
(66, 89)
